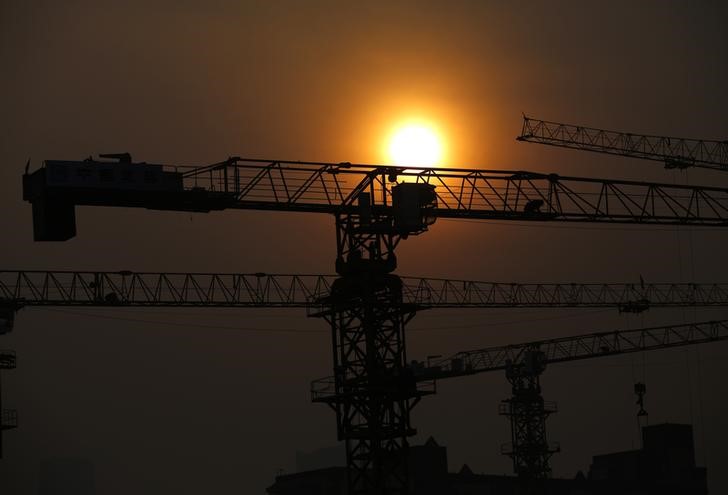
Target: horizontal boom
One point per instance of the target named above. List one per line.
(55, 189)
(673, 152)
(127, 288)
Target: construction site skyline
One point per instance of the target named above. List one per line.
(171, 389)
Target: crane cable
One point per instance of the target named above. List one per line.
(635, 382)
(701, 409)
(302, 331)
(700, 412)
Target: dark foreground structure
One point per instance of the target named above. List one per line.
(665, 465)
(374, 208)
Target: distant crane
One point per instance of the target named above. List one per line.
(673, 152)
(524, 364)
(374, 208)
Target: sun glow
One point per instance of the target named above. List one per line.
(415, 145)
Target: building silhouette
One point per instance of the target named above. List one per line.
(665, 465)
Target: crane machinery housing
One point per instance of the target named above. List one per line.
(374, 208)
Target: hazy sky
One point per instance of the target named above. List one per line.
(167, 408)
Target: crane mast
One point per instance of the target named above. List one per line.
(674, 152)
(374, 207)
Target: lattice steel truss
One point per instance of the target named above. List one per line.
(460, 193)
(527, 411)
(373, 389)
(577, 347)
(673, 152)
(524, 363)
(126, 288)
(471, 193)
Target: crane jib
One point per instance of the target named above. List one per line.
(572, 348)
(26, 288)
(674, 152)
(346, 189)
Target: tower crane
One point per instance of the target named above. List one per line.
(525, 363)
(125, 288)
(374, 208)
(674, 152)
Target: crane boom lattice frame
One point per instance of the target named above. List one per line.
(338, 188)
(588, 346)
(20, 288)
(470, 193)
(672, 151)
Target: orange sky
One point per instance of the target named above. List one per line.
(195, 82)
(182, 82)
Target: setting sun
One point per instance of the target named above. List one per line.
(415, 145)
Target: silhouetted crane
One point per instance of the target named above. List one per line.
(374, 208)
(672, 151)
(523, 363)
(20, 288)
